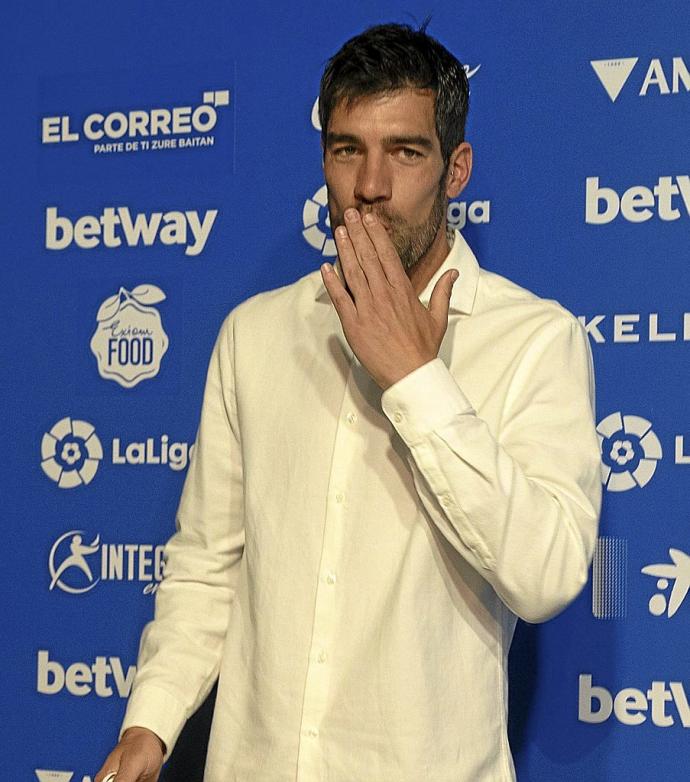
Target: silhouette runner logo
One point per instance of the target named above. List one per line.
(70, 453)
(67, 563)
(613, 74)
(678, 571)
(629, 451)
(130, 342)
(317, 223)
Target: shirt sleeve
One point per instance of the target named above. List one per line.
(180, 650)
(520, 504)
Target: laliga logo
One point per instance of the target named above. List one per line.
(679, 572)
(70, 453)
(76, 559)
(317, 223)
(129, 342)
(629, 450)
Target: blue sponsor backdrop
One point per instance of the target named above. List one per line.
(581, 192)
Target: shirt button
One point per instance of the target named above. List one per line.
(339, 497)
(322, 657)
(313, 732)
(351, 418)
(397, 417)
(446, 500)
(330, 578)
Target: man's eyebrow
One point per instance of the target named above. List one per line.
(341, 138)
(389, 141)
(415, 141)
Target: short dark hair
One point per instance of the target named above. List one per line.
(389, 57)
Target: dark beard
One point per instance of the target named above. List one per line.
(412, 242)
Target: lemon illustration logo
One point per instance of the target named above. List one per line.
(629, 451)
(317, 223)
(130, 342)
(70, 453)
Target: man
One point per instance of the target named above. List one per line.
(395, 460)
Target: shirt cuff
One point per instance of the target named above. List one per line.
(424, 400)
(156, 709)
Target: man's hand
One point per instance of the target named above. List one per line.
(389, 330)
(137, 758)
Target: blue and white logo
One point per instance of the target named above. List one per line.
(317, 223)
(71, 453)
(677, 571)
(629, 451)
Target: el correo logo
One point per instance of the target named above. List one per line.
(130, 342)
(144, 125)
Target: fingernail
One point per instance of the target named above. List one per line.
(369, 218)
(454, 276)
(351, 215)
(326, 268)
(341, 231)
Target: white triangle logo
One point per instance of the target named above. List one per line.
(613, 74)
(44, 775)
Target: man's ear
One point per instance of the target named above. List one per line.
(459, 170)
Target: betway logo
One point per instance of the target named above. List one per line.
(638, 203)
(631, 706)
(82, 679)
(613, 75)
(115, 224)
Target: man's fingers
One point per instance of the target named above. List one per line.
(134, 767)
(440, 297)
(385, 250)
(342, 301)
(349, 263)
(365, 250)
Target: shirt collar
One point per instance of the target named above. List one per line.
(464, 291)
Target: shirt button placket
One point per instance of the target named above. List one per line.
(319, 669)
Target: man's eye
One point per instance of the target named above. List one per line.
(409, 154)
(346, 151)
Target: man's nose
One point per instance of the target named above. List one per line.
(373, 180)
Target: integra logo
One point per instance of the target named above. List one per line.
(141, 129)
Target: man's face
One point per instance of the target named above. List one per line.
(382, 155)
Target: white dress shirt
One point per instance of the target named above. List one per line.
(352, 564)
